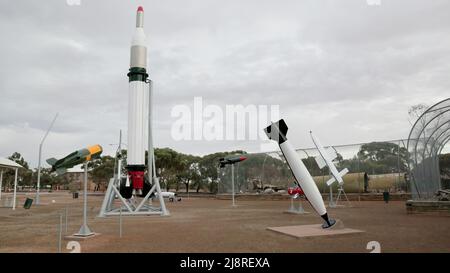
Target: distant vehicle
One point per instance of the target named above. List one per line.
(60, 166)
(170, 195)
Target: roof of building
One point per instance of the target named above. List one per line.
(7, 163)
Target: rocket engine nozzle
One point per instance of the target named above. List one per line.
(137, 179)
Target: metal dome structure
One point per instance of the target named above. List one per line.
(428, 136)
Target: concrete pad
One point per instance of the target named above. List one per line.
(295, 212)
(313, 230)
(76, 237)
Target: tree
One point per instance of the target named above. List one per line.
(444, 165)
(24, 175)
(378, 158)
(168, 164)
(189, 171)
(102, 170)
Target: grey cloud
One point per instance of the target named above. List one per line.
(332, 66)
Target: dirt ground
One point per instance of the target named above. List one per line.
(209, 225)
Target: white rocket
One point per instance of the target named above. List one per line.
(137, 106)
(277, 131)
(325, 158)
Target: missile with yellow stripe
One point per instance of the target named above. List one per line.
(60, 166)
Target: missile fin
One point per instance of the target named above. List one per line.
(331, 153)
(320, 162)
(277, 131)
(51, 161)
(343, 172)
(331, 181)
(61, 171)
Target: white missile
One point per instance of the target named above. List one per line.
(277, 131)
(325, 158)
(137, 105)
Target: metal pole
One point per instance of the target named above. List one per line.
(1, 182)
(84, 230)
(331, 203)
(151, 170)
(398, 166)
(359, 182)
(85, 195)
(119, 163)
(66, 212)
(150, 134)
(15, 190)
(60, 233)
(39, 161)
(232, 183)
(120, 222)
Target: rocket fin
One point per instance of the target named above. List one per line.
(340, 174)
(51, 161)
(61, 171)
(331, 153)
(343, 172)
(277, 131)
(320, 162)
(331, 181)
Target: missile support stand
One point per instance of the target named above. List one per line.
(132, 207)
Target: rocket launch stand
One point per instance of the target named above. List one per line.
(296, 209)
(341, 192)
(130, 207)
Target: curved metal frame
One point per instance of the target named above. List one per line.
(426, 141)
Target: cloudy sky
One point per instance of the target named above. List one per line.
(347, 70)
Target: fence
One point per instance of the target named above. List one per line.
(385, 164)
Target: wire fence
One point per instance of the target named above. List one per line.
(427, 139)
(373, 167)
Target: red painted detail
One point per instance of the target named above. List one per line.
(296, 190)
(137, 179)
(242, 158)
(141, 9)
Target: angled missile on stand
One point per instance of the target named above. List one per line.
(277, 131)
(230, 160)
(60, 166)
(325, 158)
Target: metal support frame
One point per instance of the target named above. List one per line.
(85, 231)
(1, 183)
(232, 186)
(38, 186)
(427, 135)
(296, 209)
(341, 192)
(15, 190)
(131, 207)
(331, 203)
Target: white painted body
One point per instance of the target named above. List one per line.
(326, 158)
(137, 122)
(303, 177)
(138, 105)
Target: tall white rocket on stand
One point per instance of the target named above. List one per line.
(137, 107)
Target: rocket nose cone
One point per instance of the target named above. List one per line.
(140, 17)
